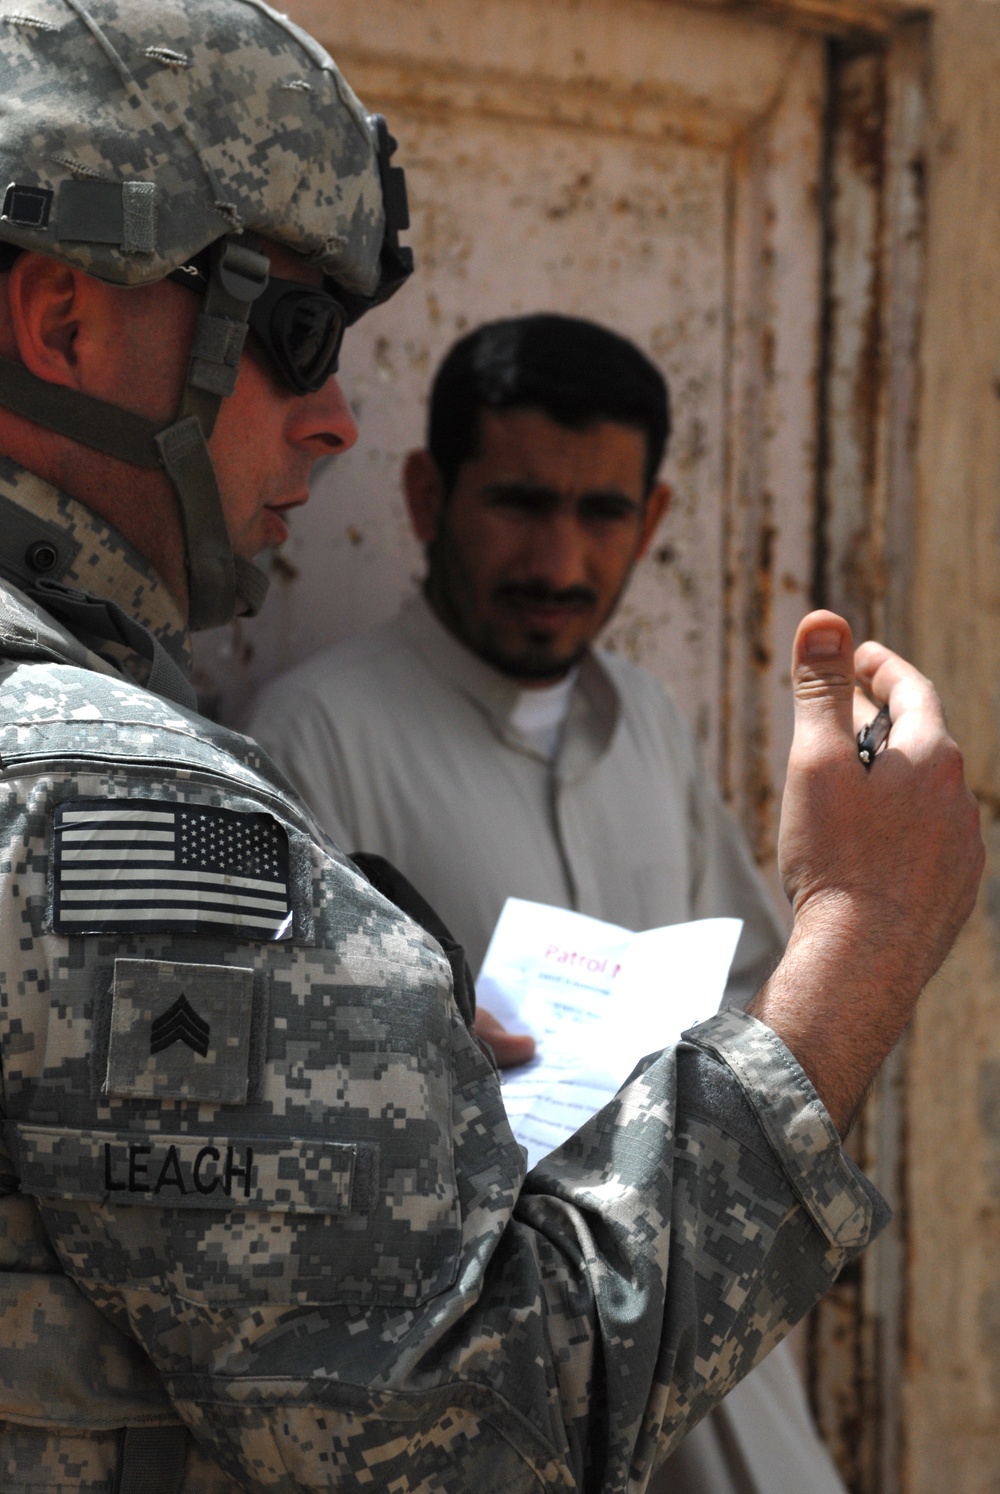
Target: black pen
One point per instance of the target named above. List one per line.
(871, 737)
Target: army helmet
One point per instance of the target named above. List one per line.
(141, 139)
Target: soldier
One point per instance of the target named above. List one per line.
(263, 1224)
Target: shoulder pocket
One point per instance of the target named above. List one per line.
(182, 1142)
(336, 1184)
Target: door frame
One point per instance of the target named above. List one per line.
(874, 237)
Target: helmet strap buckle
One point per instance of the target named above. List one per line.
(238, 275)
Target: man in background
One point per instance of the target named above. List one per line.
(484, 744)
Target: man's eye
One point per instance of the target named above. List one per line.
(607, 508)
(524, 500)
(591, 508)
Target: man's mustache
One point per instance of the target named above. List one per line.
(549, 596)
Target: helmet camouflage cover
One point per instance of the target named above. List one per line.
(133, 133)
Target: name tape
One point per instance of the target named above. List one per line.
(284, 1175)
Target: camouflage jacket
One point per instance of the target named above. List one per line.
(258, 1177)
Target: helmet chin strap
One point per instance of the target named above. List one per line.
(218, 580)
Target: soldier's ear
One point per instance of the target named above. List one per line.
(424, 494)
(656, 506)
(44, 299)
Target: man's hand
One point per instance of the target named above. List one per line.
(509, 1048)
(881, 864)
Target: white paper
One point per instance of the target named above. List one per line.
(596, 998)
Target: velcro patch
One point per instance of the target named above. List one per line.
(152, 866)
(196, 1172)
(180, 1031)
(121, 213)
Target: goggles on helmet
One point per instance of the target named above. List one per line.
(300, 327)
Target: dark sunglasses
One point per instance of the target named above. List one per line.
(299, 326)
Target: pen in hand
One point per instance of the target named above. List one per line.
(871, 737)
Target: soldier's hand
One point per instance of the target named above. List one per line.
(881, 865)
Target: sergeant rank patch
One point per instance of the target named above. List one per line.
(152, 866)
(180, 1031)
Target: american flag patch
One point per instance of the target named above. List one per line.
(149, 866)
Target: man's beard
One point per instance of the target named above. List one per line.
(530, 666)
(538, 661)
(448, 585)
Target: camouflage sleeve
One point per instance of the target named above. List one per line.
(714, 1206)
(281, 1166)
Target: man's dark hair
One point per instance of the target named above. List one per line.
(574, 371)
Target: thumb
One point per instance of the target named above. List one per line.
(823, 685)
(509, 1048)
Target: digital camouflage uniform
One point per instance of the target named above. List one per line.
(312, 1241)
